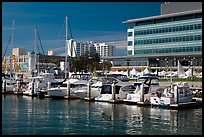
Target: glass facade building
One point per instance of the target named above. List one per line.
(167, 35)
(160, 41)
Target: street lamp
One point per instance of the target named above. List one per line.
(167, 63)
(174, 62)
(157, 62)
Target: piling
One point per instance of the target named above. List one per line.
(89, 90)
(113, 91)
(176, 95)
(89, 98)
(48, 85)
(68, 88)
(4, 86)
(142, 93)
(18, 86)
(32, 88)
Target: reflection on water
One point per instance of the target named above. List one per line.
(26, 115)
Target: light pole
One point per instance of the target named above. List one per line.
(174, 62)
(158, 69)
(167, 63)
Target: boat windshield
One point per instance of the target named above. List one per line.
(149, 80)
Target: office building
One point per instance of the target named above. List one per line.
(159, 41)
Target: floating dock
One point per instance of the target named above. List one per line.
(193, 104)
(89, 99)
(116, 101)
(71, 97)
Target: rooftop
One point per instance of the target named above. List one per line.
(163, 16)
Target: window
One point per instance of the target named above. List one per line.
(129, 43)
(191, 27)
(129, 52)
(129, 33)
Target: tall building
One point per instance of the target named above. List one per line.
(159, 41)
(104, 49)
(82, 47)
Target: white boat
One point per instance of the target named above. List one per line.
(121, 91)
(82, 91)
(178, 92)
(95, 88)
(40, 83)
(10, 85)
(62, 90)
(149, 84)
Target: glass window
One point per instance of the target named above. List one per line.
(150, 41)
(145, 42)
(166, 29)
(177, 28)
(191, 27)
(170, 39)
(129, 33)
(129, 43)
(199, 26)
(129, 52)
(180, 28)
(191, 38)
(199, 37)
(147, 31)
(170, 29)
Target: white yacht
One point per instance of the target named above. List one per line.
(82, 91)
(176, 93)
(10, 85)
(121, 91)
(149, 84)
(77, 82)
(40, 83)
(62, 90)
(95, 88)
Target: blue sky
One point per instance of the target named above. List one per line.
(95, 21)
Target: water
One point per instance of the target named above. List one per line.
(22, 115)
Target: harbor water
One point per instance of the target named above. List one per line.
(24, 115)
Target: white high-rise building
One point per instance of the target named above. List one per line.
(104, 49)
(82, 47)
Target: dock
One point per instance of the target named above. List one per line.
(193, 104)
(89, 99)
(71, 97)
(115, 101)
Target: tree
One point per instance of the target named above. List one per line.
(88, 61)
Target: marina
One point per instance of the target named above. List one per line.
(154, 89)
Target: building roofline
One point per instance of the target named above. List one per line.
(162, 16)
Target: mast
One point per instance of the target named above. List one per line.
(66, 48)
(35, 55)
(12, 39)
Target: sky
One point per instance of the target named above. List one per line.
(88, 21)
